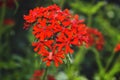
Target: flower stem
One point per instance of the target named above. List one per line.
(45, 74)
(80, 56)
(68, 62)
(3, 10)
(62, 3)
(2, 13)
(17, 5)
(110, 60)
(97, 57)
(89, 22)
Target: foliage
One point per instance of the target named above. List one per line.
(18, 60)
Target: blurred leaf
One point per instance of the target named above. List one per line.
(9, 65)
(30, 36)
(81, 7)
(96, 7)
(115, 69)
(4, 29)
(17, 6)
(86, 8)
(79, 56)
(80, 78)
(17, 58)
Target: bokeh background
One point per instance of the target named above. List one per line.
(17, 58)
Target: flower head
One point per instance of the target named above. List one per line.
(55, 31)
(50, 77)
(95, 38)
(37, 74)
(53, 56)
(117, 48)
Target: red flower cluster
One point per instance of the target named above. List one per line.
(50, 77)
(117, 48)
(9, 21)
(39, 73)
(95, 38)
(56, 31)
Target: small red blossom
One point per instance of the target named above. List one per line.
(50, 77)
(52, 56)
(96, 38)
(37, 75)
(56, 32)
(40, 46)
(42, 32)
(9, 22)
(65, 42)
(117, 48)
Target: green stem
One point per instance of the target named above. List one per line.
(89, 22)
(3, 10)
(68, 62)
(36, 62)
(69, 58)
(17, 5)
(80, 55)
(110, 60)
(97, 57)
(2, 13)
(40, 62)
(62, 3)
(45, 74)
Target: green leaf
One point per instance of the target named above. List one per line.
(79, 6)
(17, 6)
(96, 7)
(86, 8)
(115, 69)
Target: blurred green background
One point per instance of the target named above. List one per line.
(18, 60)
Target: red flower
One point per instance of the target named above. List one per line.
(9, 22)
(50, 77)
(117, 48)
(80, 30)
(65, 42)
(37, 75)
(42, 32)
(95, 38)
(52, 56)
(33, 14)
(56, 31)
(40, 46)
